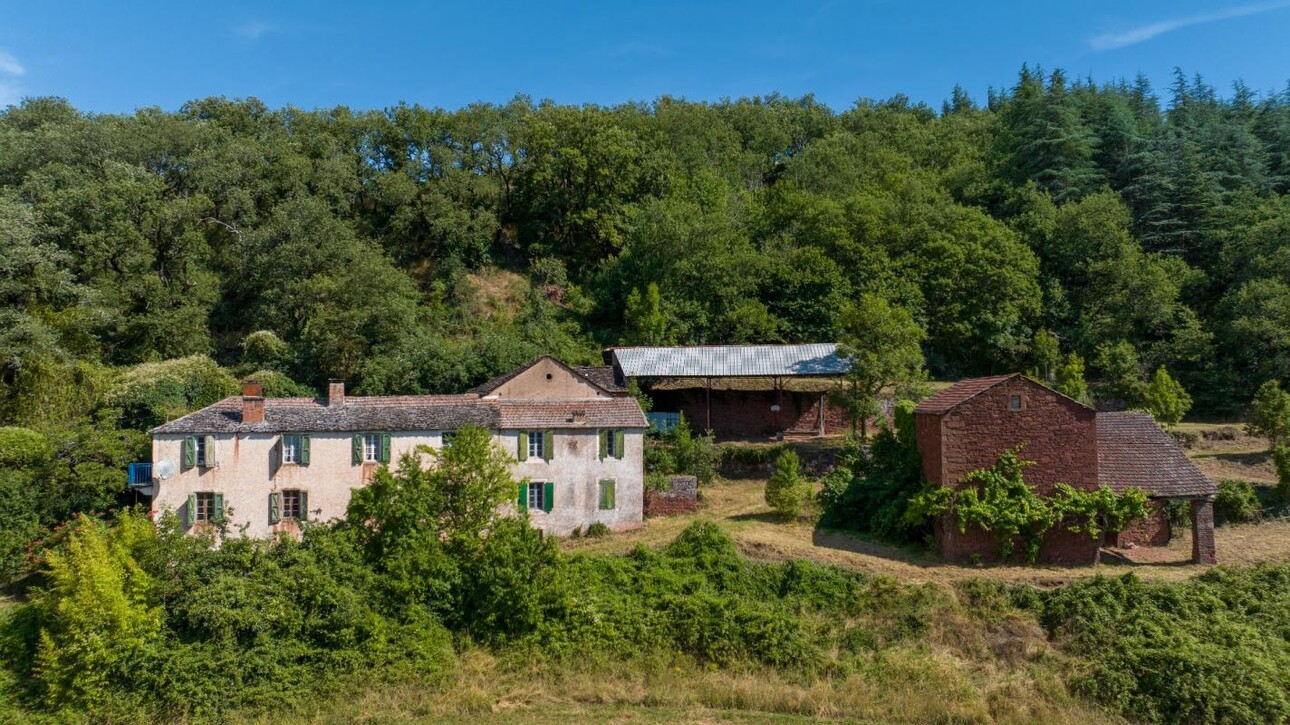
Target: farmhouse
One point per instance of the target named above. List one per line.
(968, 425)
(264, 465)
(738, 391)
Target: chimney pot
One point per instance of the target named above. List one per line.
(335, 393)
(252, 389)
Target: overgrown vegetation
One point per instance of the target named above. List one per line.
(788, 491)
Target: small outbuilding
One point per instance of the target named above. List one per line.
(739, 391)
(967, 427)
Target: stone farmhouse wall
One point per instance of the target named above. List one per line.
(1058, 434)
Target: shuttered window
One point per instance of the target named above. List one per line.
(607, 492)
(291, 449)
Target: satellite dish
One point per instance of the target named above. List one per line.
(164, 470)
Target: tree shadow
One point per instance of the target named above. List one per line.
(848, 541)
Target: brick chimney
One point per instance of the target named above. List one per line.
(252, 402)
(335, 393)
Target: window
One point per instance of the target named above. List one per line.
(611, 445)
(536, 443)
(1014, 402)
(448, 437)
(202, 449)
(372, 447)
(606, 497)
(537, 497)
(204, 505)
(291, 449)
(293, 504)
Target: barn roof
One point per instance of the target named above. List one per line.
(949, 398)
(717, 361)
(1133, 451)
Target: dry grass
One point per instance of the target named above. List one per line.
(738, 507)
(907, 685)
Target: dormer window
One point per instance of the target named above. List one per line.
(1015, 402)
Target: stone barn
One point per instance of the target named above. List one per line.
(740, 391)
(968, 425)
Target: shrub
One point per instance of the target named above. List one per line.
(787, 491)
(153, 393)
(1269, 414)
(597, 530)
(1236, 502)
(264, 349)
(278, 385)
(23, 448)
(1166, 398)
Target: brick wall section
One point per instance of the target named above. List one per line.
(1058, 434)
(747, 413)
(682, 497)
(1202, 532)
(1154, 530)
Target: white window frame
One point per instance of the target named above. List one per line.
(291, 448)
(535, 494)
(204, 502)
(537, 444)
(291, 504)
(199, 450)
(371, 447)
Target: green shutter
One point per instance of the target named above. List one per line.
(522, 451)
(619, 440)
(304, 505)
(191, 517)
(604, 444)
(548, 496)
(607, 494)
(219, 508)
(303, 453)
(275, 507)
(522, 503)
(385, 448)
(210, 458)
(190, 452)
(548, 445)
(357, 449)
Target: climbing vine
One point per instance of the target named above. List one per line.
(1000, 502)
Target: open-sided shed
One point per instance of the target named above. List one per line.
(740, 391)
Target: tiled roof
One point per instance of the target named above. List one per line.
(406, 413)
(730, 361)
(602, 413)
(602, 375)
(947, 399)
(1133, 451)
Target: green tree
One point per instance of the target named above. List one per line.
(1046, 353)
(881, 343)
(1070, 378)
(1269, 414)
(1165, 398)
(787, 491)
(1121, 371)
(646, 323)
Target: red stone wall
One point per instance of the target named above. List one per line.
(1151, 531)
(1057, 433)
(747, 413)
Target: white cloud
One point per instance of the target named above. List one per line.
(9, 65)
(10, 94)
(253, 30)
(1133, 36)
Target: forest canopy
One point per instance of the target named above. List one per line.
(417, 249)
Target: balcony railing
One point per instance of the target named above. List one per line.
(140, 474)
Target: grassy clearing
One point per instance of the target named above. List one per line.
(739, 508)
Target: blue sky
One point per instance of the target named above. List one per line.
(372, 55)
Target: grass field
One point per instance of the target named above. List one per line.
(738, 506)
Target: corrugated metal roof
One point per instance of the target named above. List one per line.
(715, 361)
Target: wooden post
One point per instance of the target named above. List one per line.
(707, 399)
(779, 403)
(823, 397)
